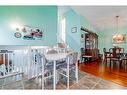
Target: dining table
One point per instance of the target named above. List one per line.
(55, 57)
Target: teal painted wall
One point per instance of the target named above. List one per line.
(106, 38)
(72, 20)
(39, 16)
(85, 23)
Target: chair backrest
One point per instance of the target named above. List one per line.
(116, 51)
(69, 59)
(52, 51)
(72, 58)
(106, 54)
(75, 57)
(39, 58)
(43, 59)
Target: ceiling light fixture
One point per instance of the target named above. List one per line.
(118, 38)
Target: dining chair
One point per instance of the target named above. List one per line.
(117, 54)
(68, 67)
(124, 61)
(40, 68)
(107, 55)
(46, 70)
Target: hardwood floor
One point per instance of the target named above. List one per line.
(100, 69)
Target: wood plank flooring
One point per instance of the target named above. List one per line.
(99, 69)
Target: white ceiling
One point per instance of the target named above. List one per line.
(103, 17)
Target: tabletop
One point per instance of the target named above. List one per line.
(56, 56)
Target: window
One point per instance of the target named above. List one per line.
(62, 30)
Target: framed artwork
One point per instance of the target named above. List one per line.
(119, 38)
(29, 33)
(74, 29)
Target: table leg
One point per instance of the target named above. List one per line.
(54, 81)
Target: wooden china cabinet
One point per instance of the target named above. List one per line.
(91, 44)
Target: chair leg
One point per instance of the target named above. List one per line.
(22, 81)
(68, 82)
(110, 63)
(121, 63)
(42, 81)
(68, 75)
(58, 77)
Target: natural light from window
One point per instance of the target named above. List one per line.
(63, 22)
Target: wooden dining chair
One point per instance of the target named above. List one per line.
(107, 55)
(117, 54)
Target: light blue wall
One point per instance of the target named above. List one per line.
(39, 16)
(85, 23)
(106, 38)
(72, 39)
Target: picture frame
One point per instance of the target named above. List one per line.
(74, 29)
(119, 38)
(82, 37)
